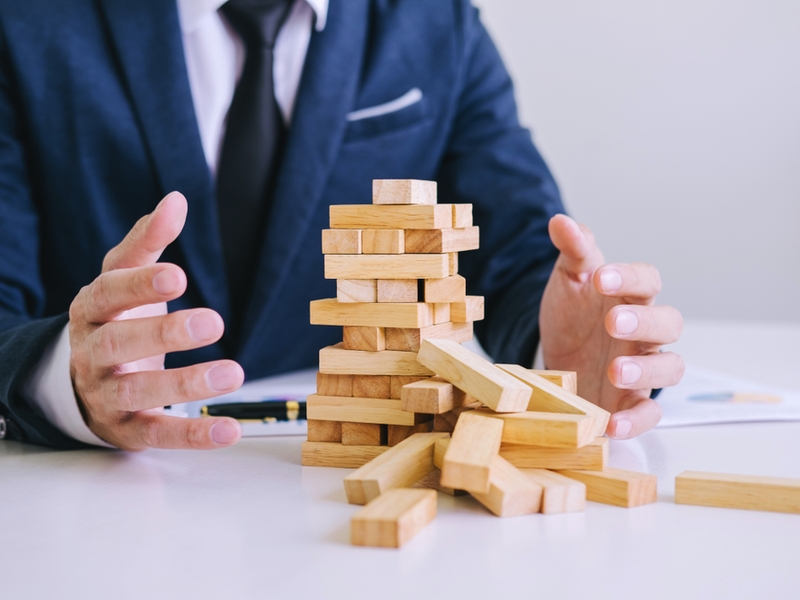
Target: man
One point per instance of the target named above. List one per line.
(263, 113)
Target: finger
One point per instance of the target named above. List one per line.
(637, 281)
(129, 340)
(156, 430)
(646, 372)
(114, 292)
(144, 390)
(579, 252)
(641, 415)
(649, 324)
(150, 235)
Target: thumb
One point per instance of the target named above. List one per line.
(579, 252)
(150, 235)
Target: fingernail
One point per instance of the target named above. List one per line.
(202, 327)
(222, 378)
(166, 282)
(225, 432)
(610, 280)
(624, 427)
(630, 373)
(626, 322)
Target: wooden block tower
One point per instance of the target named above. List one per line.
(396, 268)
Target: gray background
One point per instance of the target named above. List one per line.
(673, 129)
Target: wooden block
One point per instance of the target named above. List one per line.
(381, 411)
(403, 191)
(326, 454)
(400, 466)
(432, 396)
(449, 289)
(362, 434)
(324, 431)
(447, 421)
(372, 386)
(337, 360)
(618, 487)
(341, 241)
(331, 312)
(377, 266)
(511, 493)
(441, 313)
(409, 339)
(382, 241)
(559, 494)
(433, 481)
(593, 457)
(400, 216)
(393, 519)
(397, 290)
(469, 310)
(367, 339)
(565, 379)
(479, 378)
(334, 385)
(469, 459)
(750, 492)
(549, 397)
(542, 428)
(398, 381)
(398, 433)
(462, 216)
(437, 241)
(357, 290)
(452, 264)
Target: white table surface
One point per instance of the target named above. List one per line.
(250, 522)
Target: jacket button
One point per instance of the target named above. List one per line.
(2, 427)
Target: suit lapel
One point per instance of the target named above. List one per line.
(327, 93)
(146, 35)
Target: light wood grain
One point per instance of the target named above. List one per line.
(397, 290)
(542, 428)
(394, 518)
(409, 339)
(398, 433)
(372, 386)
(511, 493)
(403, 191)
(382, 411)
(436, 241)
(357, 290)
(334, 385)
(592, 457)
(441, 313)
(749, 492)
(324, 431)
(363, 434)
(326, 454)
(337, 360)
(398, 216)
(382, 241)
(462, 216)
(398, 381)
(469, 459)
(341, 241)
(559, 494)
(452, 264)
(472, 309)
(433, 480)
(617, 486)
(432, 396)
(565, 379)
(377, 266)
(366, 339)
(447, 421)
(331, 312)
(449, 289)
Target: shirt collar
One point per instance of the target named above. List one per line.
(192, 12)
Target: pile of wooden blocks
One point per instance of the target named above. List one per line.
(410, 408)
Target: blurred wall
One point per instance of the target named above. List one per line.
(673, 129)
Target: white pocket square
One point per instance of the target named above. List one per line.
(412, 96)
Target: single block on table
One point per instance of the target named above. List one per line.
(394, 518)
(432, 396)
(397, 290)
(381, 411)
(592, 457)
(479, 378)
(511, 493)
(400, 466)
(543, 429)
(437, 241)
(750, 492)
(397, 216)
(341, 241)
(326, 454)
(324, 431)
(409, 339)
(449, 289)
(382, 241)
(367, 339)
(363, 434)
(357, 290)
(331, 312)
(565, 379)
(403, 191)
(617, 486)
(559, 494)
(337, 360)
(334, 385)
(379, 266)
(469, 459)
(372, 386)
(398, 433)
(468, 311)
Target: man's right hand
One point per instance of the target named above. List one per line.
(119, 331)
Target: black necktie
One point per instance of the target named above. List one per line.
(252, 145)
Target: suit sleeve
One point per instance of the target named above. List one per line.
(492, 163)
(24, 332)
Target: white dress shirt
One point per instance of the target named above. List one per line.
(214, 60)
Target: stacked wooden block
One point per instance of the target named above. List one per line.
(395, 263)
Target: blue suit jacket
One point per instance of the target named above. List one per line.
(97, 125)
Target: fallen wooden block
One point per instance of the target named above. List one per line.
(559, 494)
(549, 397)
(542, 428)
(324, 431)
(400, 466)
(371, 314)
(511, 493)
(397, 216)
(397, 290)
(382, 241)
(341, 241)
(367, 339)
(469, 310)
(438, 241)
(372, 386)
(749, 492)
(432, 396)
(377, 266)
(447, 421)
(398, 433)
(592, 457)
(449, 289)
(617, 487)
(398, 381)
(380, 411)
(403, 191)
(479, 378)
(334, 385)
(357, 290)
(470, 457)
(337, 360)
(393, 519)
(433, 481)
(462, 216)
(326, 454)
(565, 379)
(409, 339)
(363, 434)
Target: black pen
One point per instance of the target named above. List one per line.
(267, 410)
